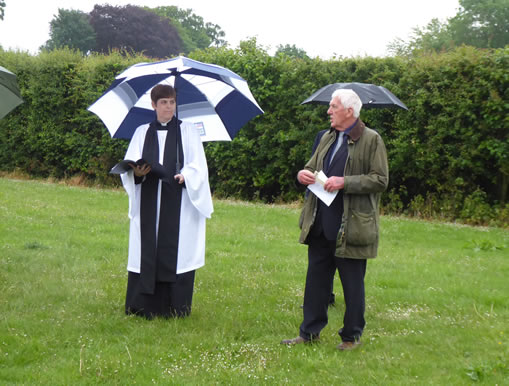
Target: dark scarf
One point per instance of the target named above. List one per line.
(159, 259)
(328, 218)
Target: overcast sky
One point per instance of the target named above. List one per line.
(320, 27)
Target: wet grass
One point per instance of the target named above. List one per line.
(437, 300)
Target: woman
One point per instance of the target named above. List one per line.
(169, 201)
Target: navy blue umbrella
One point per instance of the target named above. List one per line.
(215, 99)
(372, 96)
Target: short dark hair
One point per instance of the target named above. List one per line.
(162, 91)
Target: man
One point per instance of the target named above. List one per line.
(169, 200)
(345, 234)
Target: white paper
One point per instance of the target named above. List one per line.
(319, 191)
(320, 177)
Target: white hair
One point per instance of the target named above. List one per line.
(349, 99)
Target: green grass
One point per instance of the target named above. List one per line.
(437, 301)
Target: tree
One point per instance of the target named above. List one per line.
(2, 6)
(71, 29)
(478, 23)
(481, 23)
(132, 28)
(291, 51)
(194, 32)
(434, 37)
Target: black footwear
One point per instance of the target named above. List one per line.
(347, 346)
(298, 340)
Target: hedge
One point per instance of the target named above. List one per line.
(448, 154)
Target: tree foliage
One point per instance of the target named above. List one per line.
(134, 29)
(481, 23)
(194, 32)
(478, 23)
(292, 51)
(434, 37)
(71, 29)
(159, 32)
(2, 9)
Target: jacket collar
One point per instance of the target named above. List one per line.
(356, 131)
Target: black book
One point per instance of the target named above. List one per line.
(126, 165)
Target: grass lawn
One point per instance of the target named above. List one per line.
(437, 301)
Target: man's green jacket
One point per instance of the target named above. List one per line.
(366, 177)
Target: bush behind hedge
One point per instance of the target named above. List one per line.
(448, 154)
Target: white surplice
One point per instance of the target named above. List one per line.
(196, 204)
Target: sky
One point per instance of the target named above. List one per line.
(323, 28)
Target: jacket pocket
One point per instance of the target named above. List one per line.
(361, 228)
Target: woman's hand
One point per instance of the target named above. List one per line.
(140, 171)
(179, 178)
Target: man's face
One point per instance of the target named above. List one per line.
(340, 118)
(165, 109)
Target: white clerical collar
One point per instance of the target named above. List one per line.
(164, 123)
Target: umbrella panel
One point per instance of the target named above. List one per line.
(8, 101)
(10, 97)
(137, 117)
(141, 84)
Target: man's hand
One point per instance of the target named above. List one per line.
(334, 183)
(305, 177)
(140, 171)
(179, 178)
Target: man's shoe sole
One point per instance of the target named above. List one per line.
(298, 340)
(348, 346)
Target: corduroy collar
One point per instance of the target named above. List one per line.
(355, 132)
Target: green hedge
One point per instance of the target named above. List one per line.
(448, 154)
(52, 133)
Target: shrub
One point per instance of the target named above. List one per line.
(448, 154)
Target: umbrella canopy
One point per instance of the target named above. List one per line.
(372, 96)
(10, 96)
(215, 99)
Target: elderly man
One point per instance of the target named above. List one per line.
(345, 234)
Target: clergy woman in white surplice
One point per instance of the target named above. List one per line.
(169, 201)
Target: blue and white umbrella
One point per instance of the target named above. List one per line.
(215, 99)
